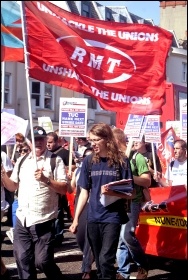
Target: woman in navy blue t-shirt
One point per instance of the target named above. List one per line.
(106, 164)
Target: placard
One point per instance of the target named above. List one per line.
(133, 126)
(73, 117)
(10, 125)
(183, 119)
(46, 123)
(176, 126)
(152, 130)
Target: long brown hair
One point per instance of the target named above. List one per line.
(114, 156)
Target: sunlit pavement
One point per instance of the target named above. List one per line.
(68, 257)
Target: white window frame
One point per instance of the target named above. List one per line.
(184, 72)
(42, 94)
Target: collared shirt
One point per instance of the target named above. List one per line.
(37, 202)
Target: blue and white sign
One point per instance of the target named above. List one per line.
(73, 117)
(133, 126)
(152, 130)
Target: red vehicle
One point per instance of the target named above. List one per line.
(173, 94)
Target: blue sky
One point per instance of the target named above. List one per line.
(145, 9)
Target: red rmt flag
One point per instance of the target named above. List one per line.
(121, 65)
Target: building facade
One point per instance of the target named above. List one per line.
(173, 16)
(45, 97)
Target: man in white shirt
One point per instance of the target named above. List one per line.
(176, 173)
(37, 211)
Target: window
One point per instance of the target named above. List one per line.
(35, 92)
(85, 10)
(184, 72)
(108, 16)
(43, 94)
(122, 19)
(7, 96)
(48, 96)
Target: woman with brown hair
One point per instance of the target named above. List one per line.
(106, 164)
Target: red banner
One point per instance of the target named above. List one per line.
(165, 149)
(121, 65)
(11, 32)
(162, 228)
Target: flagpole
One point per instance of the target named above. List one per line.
(27, 78)
(3, 85)
(70, 154)
(154, 158)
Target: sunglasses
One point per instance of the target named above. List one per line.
(23, 150)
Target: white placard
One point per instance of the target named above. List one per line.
(183, 119)
(152, 130)
(73, 117)
(46, 123)
(10, 125)
(133, 126)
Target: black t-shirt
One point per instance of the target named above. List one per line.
(62, 153)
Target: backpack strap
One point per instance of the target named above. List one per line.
(171, 164)
(20, 164)
(133, 159)
(59, 149)
(53, 162)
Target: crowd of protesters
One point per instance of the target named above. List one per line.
(34, 186)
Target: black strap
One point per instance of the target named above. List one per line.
(171, 164)
(52, 163)
(133, 159)
(59, 149)
(20, 164)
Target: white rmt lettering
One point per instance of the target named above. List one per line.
(80, 53)
(113, 64)
(95, 62)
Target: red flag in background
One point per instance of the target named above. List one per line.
(121, 65)
(11, 32)
(165, 149)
